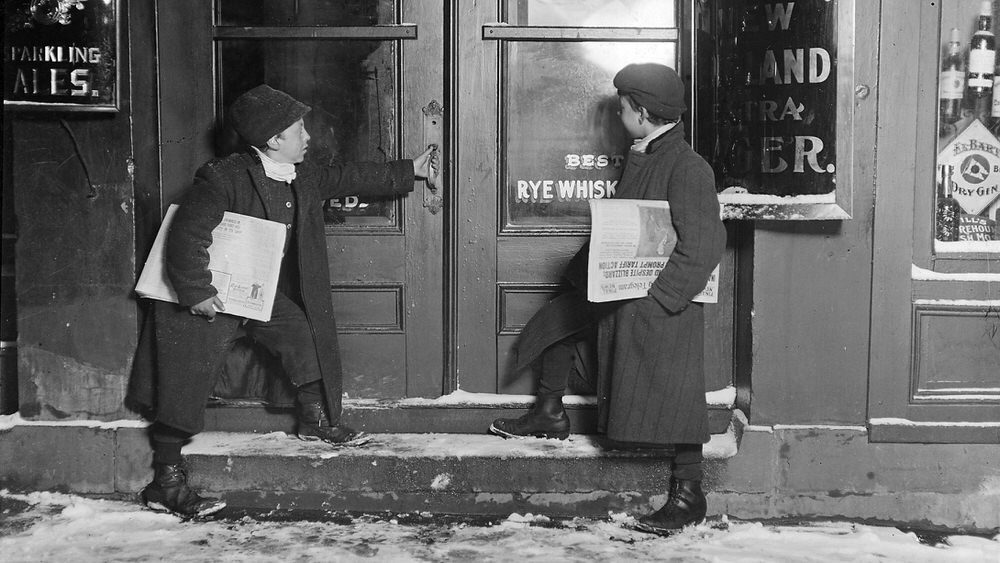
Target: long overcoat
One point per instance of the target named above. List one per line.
(651, 380)
(180, 354)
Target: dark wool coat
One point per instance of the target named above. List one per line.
(651, 380)
(181, 354)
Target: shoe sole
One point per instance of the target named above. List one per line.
(157, 507)
(359, 440)
(553, 436)
(641, 527)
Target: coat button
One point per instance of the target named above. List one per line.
(288, 204)
(287, 226)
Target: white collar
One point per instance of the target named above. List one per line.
(639, 145)
(281, 171)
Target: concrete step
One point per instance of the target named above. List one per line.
(458, 412)
(437, 473)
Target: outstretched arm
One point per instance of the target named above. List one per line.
(369, 178)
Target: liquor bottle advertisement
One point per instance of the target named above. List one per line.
(972, 178)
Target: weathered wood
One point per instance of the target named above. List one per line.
(473, 255)
(917, 343)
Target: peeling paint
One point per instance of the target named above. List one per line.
(69, 389)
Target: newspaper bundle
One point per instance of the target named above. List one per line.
(244, 258)
(630, 242)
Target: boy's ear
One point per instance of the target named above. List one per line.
(272, 143)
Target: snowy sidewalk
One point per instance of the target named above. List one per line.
(43, 526)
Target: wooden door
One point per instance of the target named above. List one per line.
(374, 85)
(538, 135)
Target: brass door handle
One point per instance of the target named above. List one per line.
(433, 127)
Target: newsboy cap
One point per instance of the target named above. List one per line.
(262, 112)
(655, 87)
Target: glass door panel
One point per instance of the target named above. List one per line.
(563, 139)
(352, 89)
(592, 13)
(306, 13)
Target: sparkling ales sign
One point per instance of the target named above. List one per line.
(61, 54)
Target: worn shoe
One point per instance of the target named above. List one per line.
(685, 505)
(546, 419)
(313, 425)
(169, 492)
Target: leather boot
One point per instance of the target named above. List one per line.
(169, 492)
(313, 425)
(685, 505)
(546, 419)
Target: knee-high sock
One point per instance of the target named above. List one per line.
(687, 462)
(167, 443)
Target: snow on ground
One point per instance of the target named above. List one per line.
(44, 526)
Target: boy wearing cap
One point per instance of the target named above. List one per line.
(650, 351)
(271, 180)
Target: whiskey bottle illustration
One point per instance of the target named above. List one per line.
(949, 212)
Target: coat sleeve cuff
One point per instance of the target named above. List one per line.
(403, 177)
(193, 297)
(672, 302)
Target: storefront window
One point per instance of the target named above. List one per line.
(775, 70)
(967, 187)
(306, 12)
(351, 87)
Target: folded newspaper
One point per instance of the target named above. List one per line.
(244, 258)
(630, 242)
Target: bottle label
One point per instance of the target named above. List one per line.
(995, 110)
(981, 82)
(952, 85)
(981, 63)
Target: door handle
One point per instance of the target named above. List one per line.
(433, 127)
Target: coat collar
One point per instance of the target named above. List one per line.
(667, 139)
(258, 179)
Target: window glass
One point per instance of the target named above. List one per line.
(306, 12)
(565, 143)
(351, 87)
(967, 188)
(773, 74)
(592, 13)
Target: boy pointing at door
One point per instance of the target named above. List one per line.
(272, 179)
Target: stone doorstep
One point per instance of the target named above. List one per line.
(390, 417)
(438, 473)
(405, 472)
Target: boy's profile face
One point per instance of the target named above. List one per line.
(630, 118)
(291, 144)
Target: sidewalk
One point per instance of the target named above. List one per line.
(42, 527)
